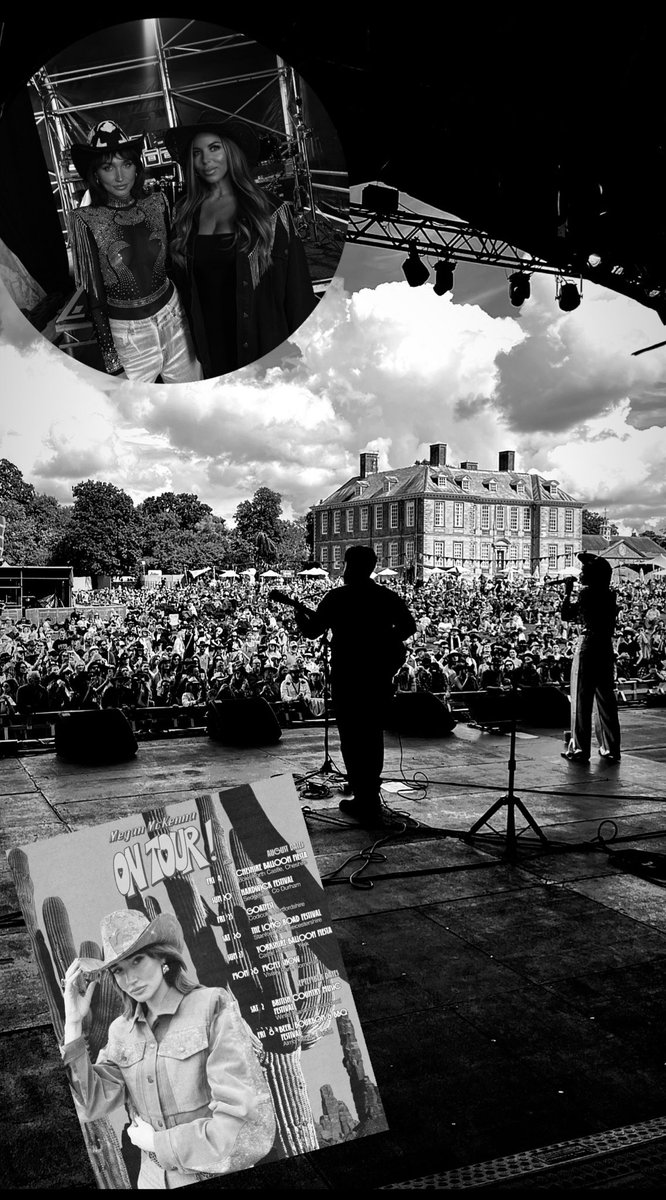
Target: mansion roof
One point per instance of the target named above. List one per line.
(446, 483)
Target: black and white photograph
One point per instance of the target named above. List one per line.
(333, 360)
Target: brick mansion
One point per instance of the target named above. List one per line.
(436, 517)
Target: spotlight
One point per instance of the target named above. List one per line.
(416, 272)
(569, 297)
(519, 288)
(443, 276)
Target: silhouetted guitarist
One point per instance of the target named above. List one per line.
(369, 624)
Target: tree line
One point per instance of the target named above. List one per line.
(104, 533)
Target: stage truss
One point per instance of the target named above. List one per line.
(63, 123)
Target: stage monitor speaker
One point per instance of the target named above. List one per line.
(419, 714)
(541, 707)
(544, 707)
(243, 722)
(95, 737)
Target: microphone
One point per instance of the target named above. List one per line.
(557, 582)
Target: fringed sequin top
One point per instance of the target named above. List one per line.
(120, 259)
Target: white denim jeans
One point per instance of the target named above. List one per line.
(158, 346)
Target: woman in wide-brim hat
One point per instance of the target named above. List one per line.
(120, 247)
(180, 1057)
(244, 274)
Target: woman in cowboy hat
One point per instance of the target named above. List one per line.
(180, 1057)
(120, 243)
(245, 279)
(592, 686)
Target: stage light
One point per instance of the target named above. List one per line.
(381, 200)
(416, 272)
(569, 297)
(519, 288)
(443, 277)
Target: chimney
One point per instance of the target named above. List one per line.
(438, 454)
(369, 460)
(469, 466)
(507, 460)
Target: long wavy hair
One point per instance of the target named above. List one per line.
(98, 195)
(253, 223)
(175, 974)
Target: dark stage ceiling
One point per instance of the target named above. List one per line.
(538, 130)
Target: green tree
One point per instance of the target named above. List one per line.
(102, 535)
(593, 522)
(33, 522)
(261, 514)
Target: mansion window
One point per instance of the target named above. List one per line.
(568, 556)
(499, 517)
(492, 485)
(324, 556)
(458, 515)
(438, 548)
(568, 520)
(379, 552)
(393, 516)
(552, 520)
(527, 520)
(465, 484)
(379, 516)
(410, 513)
(337, 520)
(364, 519)
(485, 553)
(552, 557)
(409, 552)
(513, 552)
(485, 516)
(521, 490)
(457, 552)
(439, 512)
(324, 522)
(513, 519)
(337, 556)
(393, 554)
(350, 520)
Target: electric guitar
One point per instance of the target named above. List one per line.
(395, 649)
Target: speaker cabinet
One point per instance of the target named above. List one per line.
(419, 714)
(540, 707)
(243, 722)
(95, 737)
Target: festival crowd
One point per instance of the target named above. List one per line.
(187, 644)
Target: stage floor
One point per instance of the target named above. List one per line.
(512, 1003)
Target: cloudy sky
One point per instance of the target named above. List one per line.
(380, 366)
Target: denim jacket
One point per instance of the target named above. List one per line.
(196, 1080)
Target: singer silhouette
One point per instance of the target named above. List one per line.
(593, 667)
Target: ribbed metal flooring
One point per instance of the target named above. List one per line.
(588, 1161)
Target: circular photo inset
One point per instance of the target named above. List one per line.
(188, 201)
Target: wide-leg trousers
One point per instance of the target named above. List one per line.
(592, 692)
(160, 345)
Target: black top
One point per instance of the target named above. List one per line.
(595, 610)
(214, 266)
(369, 623)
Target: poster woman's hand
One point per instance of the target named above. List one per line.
(77, 1002)
(141, 1134)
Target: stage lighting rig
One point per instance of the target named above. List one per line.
(519, 288)
(444, 276)
(568, 296)
(416, 273)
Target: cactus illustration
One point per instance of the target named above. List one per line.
(18, 862)
(105, 1155)
(209, 962)
(106, 1005)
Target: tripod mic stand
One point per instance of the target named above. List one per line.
(327, 767)
(510, 801)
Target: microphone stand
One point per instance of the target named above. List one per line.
(510, 801)
(327, 767)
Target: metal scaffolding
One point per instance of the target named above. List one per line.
(65, 123)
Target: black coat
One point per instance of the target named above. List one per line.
(269, 306)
